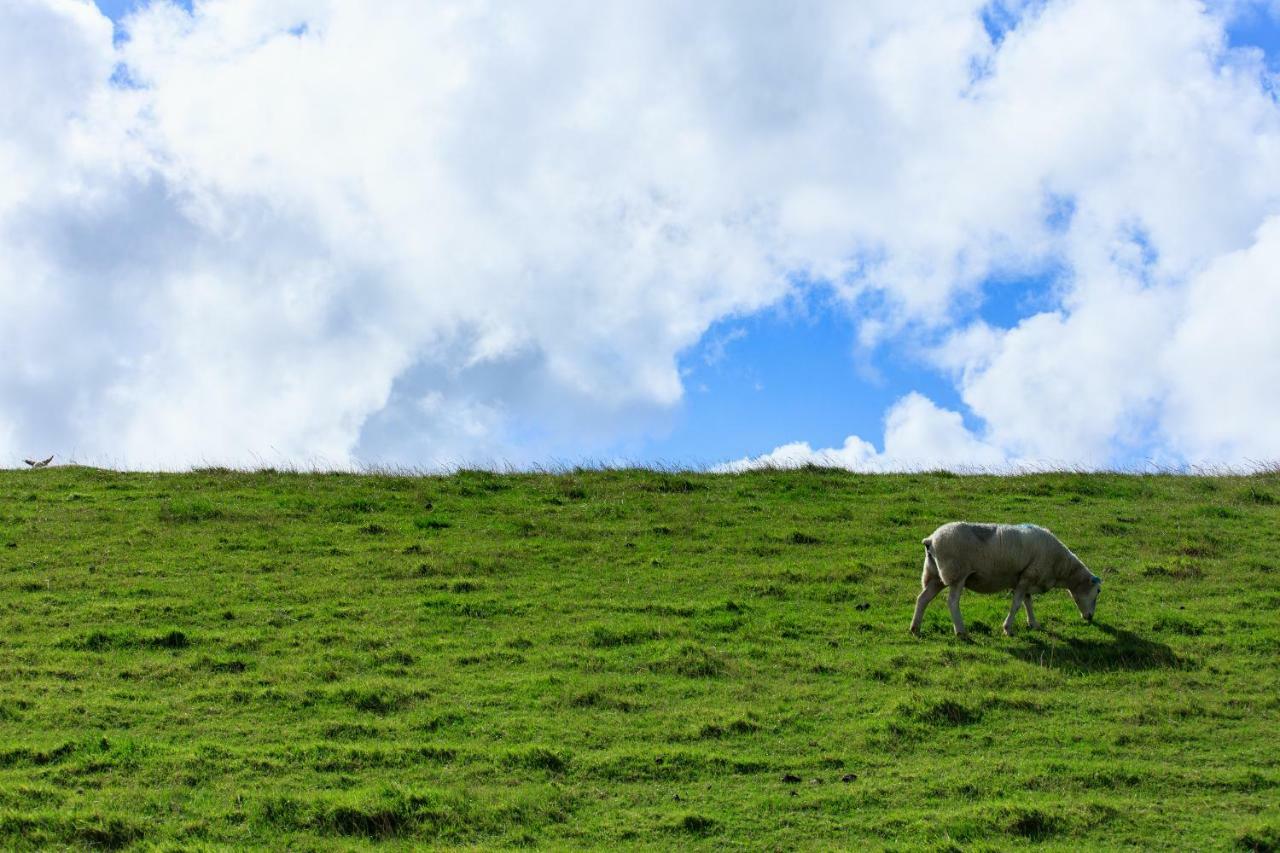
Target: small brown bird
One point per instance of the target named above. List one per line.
(43, 463)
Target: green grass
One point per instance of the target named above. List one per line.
(627, 658)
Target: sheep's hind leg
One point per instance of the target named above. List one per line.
(953, 602)
(1018, 600)
(1032, 622)
(931, 588)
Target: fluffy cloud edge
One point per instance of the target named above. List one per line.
(919, 435)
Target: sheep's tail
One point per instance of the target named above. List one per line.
(930, 561)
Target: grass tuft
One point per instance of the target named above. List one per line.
(1032, 824)
(171, 640)
(1259, 839)
(945, 712)
(538, 758)
(191, 510)
(605, 637)
(693, 661)
(696, 824)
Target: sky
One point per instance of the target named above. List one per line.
(330, 233)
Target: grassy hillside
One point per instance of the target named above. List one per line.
(627, 658)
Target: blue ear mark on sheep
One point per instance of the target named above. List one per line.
(1097, 581)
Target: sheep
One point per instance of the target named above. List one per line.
(994, 557)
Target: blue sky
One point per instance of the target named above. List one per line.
(795, 371)
(1258, 26)
(1002, 233)
(117, 9)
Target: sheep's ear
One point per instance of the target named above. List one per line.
(1097, 581)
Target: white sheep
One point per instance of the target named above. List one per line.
(995, 557)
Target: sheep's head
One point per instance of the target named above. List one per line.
(1086, 596)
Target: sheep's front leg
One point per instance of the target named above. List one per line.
(1032, 622)
(1013, 611)
(932, 588)
(953, 602)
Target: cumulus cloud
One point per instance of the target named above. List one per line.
(918, 435)
(330, 231)
(1153, 154)
(1222, 357)
(855, 455)
(1173, 372)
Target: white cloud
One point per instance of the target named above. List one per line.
(918, 435)
(335, 230)
(1066, 386)
(1176, 371)
(855, 454)
(1222, 359)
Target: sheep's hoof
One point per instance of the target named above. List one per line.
(1008, 630)
(1034, 626)
(963, 635)
(915, 632)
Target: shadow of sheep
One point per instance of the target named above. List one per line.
(1120, 651)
